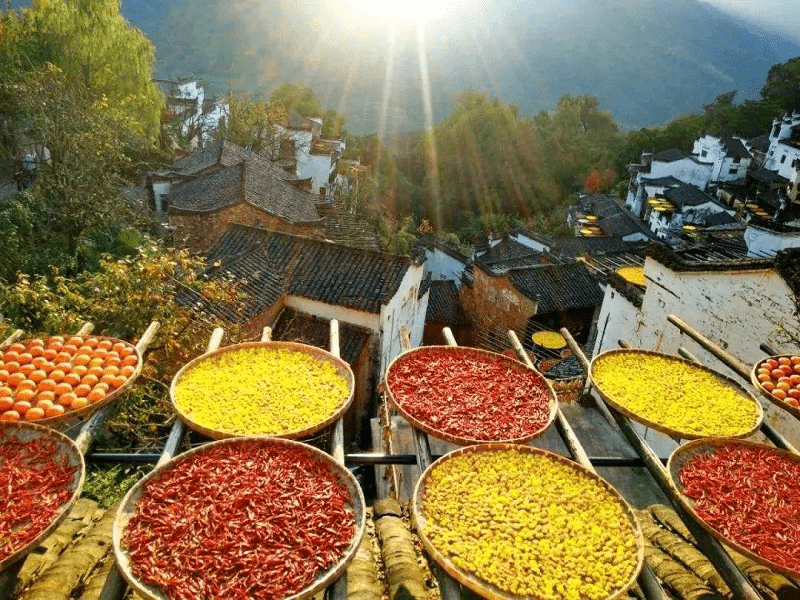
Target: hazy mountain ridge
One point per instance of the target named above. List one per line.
(647, 61)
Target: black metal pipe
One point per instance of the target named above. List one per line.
(363, 459)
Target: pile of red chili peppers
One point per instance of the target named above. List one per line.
(752, 497)
(469, 394)
(249, 519)
(35, 482)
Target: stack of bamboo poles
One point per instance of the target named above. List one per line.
(671, 552)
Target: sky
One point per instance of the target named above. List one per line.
(777, 15)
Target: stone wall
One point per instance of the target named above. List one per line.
(493, 302)
(197, 232)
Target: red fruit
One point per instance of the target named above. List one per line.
(779, 394)
(787, 369)
(795, 393)
(784, 360)
(776, 374)
(795, 360)
(794, 379)
(797, 368)
(768, 385)
(793, 402)
(782, 385)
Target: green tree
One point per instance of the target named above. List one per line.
(251, 122)
(294, 98)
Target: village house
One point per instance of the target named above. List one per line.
(531, 298)
(684, 205)
(729, 156)
(198, 115)
(315, 158)
(784, 146)
(203, 161)
(445, 310)
(443, 261)
(737, 301)
(604, 215)
(272, 271)
(249, 192)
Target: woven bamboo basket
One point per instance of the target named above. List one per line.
(722, 380)
(794, 410)
(684, 453)
(69, 416)
(473, 580)
(357, 504)
(320, 355)
(431, 428)
(26, 432)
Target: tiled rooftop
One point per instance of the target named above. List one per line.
(246, 181)
(509, 254)
(318, 270)
(444, 305)
(558, 287)
(687, 195)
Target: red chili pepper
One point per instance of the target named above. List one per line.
(240, 520)
(751, 496)
(34, 485)
(469, 394)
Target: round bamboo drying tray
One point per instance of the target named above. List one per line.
(794, 410)
(87, 410)
(27, 432)
(431, 429)
(320, 355)
(471, 580)
(128, 508)
(723, 380)
(683, 453)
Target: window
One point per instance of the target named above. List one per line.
(737, 160)
(704, 153)
(733, 171)
(783, 159)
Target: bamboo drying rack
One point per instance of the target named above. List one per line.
(115, 587)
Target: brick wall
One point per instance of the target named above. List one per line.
(197, 232)
(494, 302)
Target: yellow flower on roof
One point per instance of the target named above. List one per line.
(633, 274)
(549, 339)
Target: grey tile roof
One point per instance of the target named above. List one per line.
(220, 154)
(600, 205)
(558, 287)
(246, 181)
(444, 304)
(619, 225)
(760, 143)
(296, 326)
(318, 270)
(564, 247)
(766, 176)
(668, 181)
(687, 195)
(509, 254)
(734, 147)
(669, 155)
(720, 218)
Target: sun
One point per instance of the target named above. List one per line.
(413, 10)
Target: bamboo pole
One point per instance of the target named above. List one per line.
(12, 338)
(339, 587)
(562, 425)
(741, 587)
(266, 334)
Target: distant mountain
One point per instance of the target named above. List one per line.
(646, 60)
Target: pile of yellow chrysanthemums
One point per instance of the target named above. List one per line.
(530, 525)
(674, 394)
(260, 390)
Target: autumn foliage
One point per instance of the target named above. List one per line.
(597, 182)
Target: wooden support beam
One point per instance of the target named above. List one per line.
(12, 338)
(266, 334)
